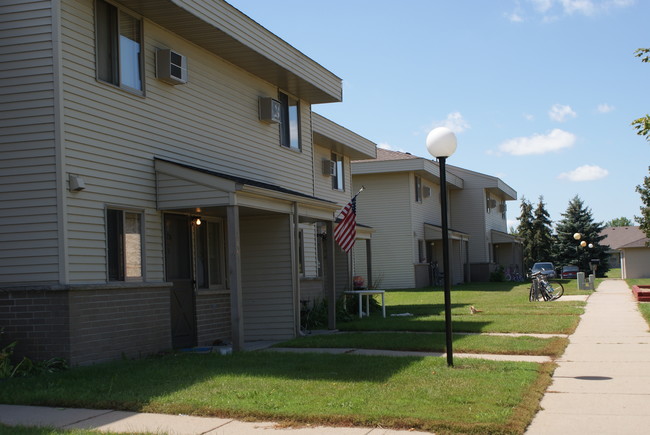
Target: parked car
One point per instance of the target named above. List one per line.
(570, 272)
(546, 268)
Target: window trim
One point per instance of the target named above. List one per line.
(286, 141)
(222, 254)
(339, 178)
(418, 189)
(122, 245)
(115, 58)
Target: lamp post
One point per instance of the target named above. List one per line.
(441, 143)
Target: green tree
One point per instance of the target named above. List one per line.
(644, 219)
(642, 125)
(525, 231)
(542, 234)
(577, 219)
(619, 222)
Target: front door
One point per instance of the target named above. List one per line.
(179, 270)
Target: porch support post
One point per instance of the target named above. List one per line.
(234, 278)
(295, 272)
(368, 263)
(330, 271)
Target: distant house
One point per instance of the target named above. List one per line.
(629, 250)
(163, 182)
(401, 202)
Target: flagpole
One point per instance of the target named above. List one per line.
(357, 194)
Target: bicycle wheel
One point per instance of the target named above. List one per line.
(533, 295)
(556, 289)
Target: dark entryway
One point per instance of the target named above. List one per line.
(179, 271)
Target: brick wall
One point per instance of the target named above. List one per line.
(38, 320)
(213, 318)
(87, 324)
(108, 323)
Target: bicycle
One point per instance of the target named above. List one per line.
(514, 275)
(541, 288)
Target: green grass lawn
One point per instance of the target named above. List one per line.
(475, 396)
(644, 307)
(505, 308)
(490, 344)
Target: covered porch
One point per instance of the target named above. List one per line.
(234, 255)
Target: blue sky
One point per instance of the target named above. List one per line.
(540, 93)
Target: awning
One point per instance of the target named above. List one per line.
(434, 232)
(501, 237)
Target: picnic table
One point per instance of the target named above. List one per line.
(367, 294)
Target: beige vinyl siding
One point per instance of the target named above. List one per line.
(385, 205)
(112, 136)
(427, 211)
(468, 215)
(266, 278)
(29, 251)
(323, 183)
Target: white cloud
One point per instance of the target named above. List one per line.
(515, 17)
(384, 146)
(585, 173)
(604, 108)
(560, 112)
(529, 117)
(554, 141)
(454, 122)
(551, 10)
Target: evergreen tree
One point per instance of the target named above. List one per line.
(525, 231)
(644, 219)
(568, 250)
(542, 234)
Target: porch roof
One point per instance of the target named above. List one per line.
(501, 237)
(180, 186)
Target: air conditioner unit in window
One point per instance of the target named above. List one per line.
(426, 191)
(171, 67)
(270, 110)
(329, 167)
(491, 203)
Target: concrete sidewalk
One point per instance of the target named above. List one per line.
(133, 422)
(602, 383)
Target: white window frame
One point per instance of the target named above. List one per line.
(111, 39)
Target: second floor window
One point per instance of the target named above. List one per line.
(118, 46)
(338, 179)
(418, 189)
(290, 122)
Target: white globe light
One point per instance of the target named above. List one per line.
(583, 243)
(577, 236)
(441, 142)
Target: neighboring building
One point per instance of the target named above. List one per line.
(480, 210)
(629, 250)
(401, 203)
(161, 178)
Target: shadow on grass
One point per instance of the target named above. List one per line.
(131, 385)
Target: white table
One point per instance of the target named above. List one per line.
(367, 294)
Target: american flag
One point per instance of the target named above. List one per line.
(346, 230)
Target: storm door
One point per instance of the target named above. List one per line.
(179, 270)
